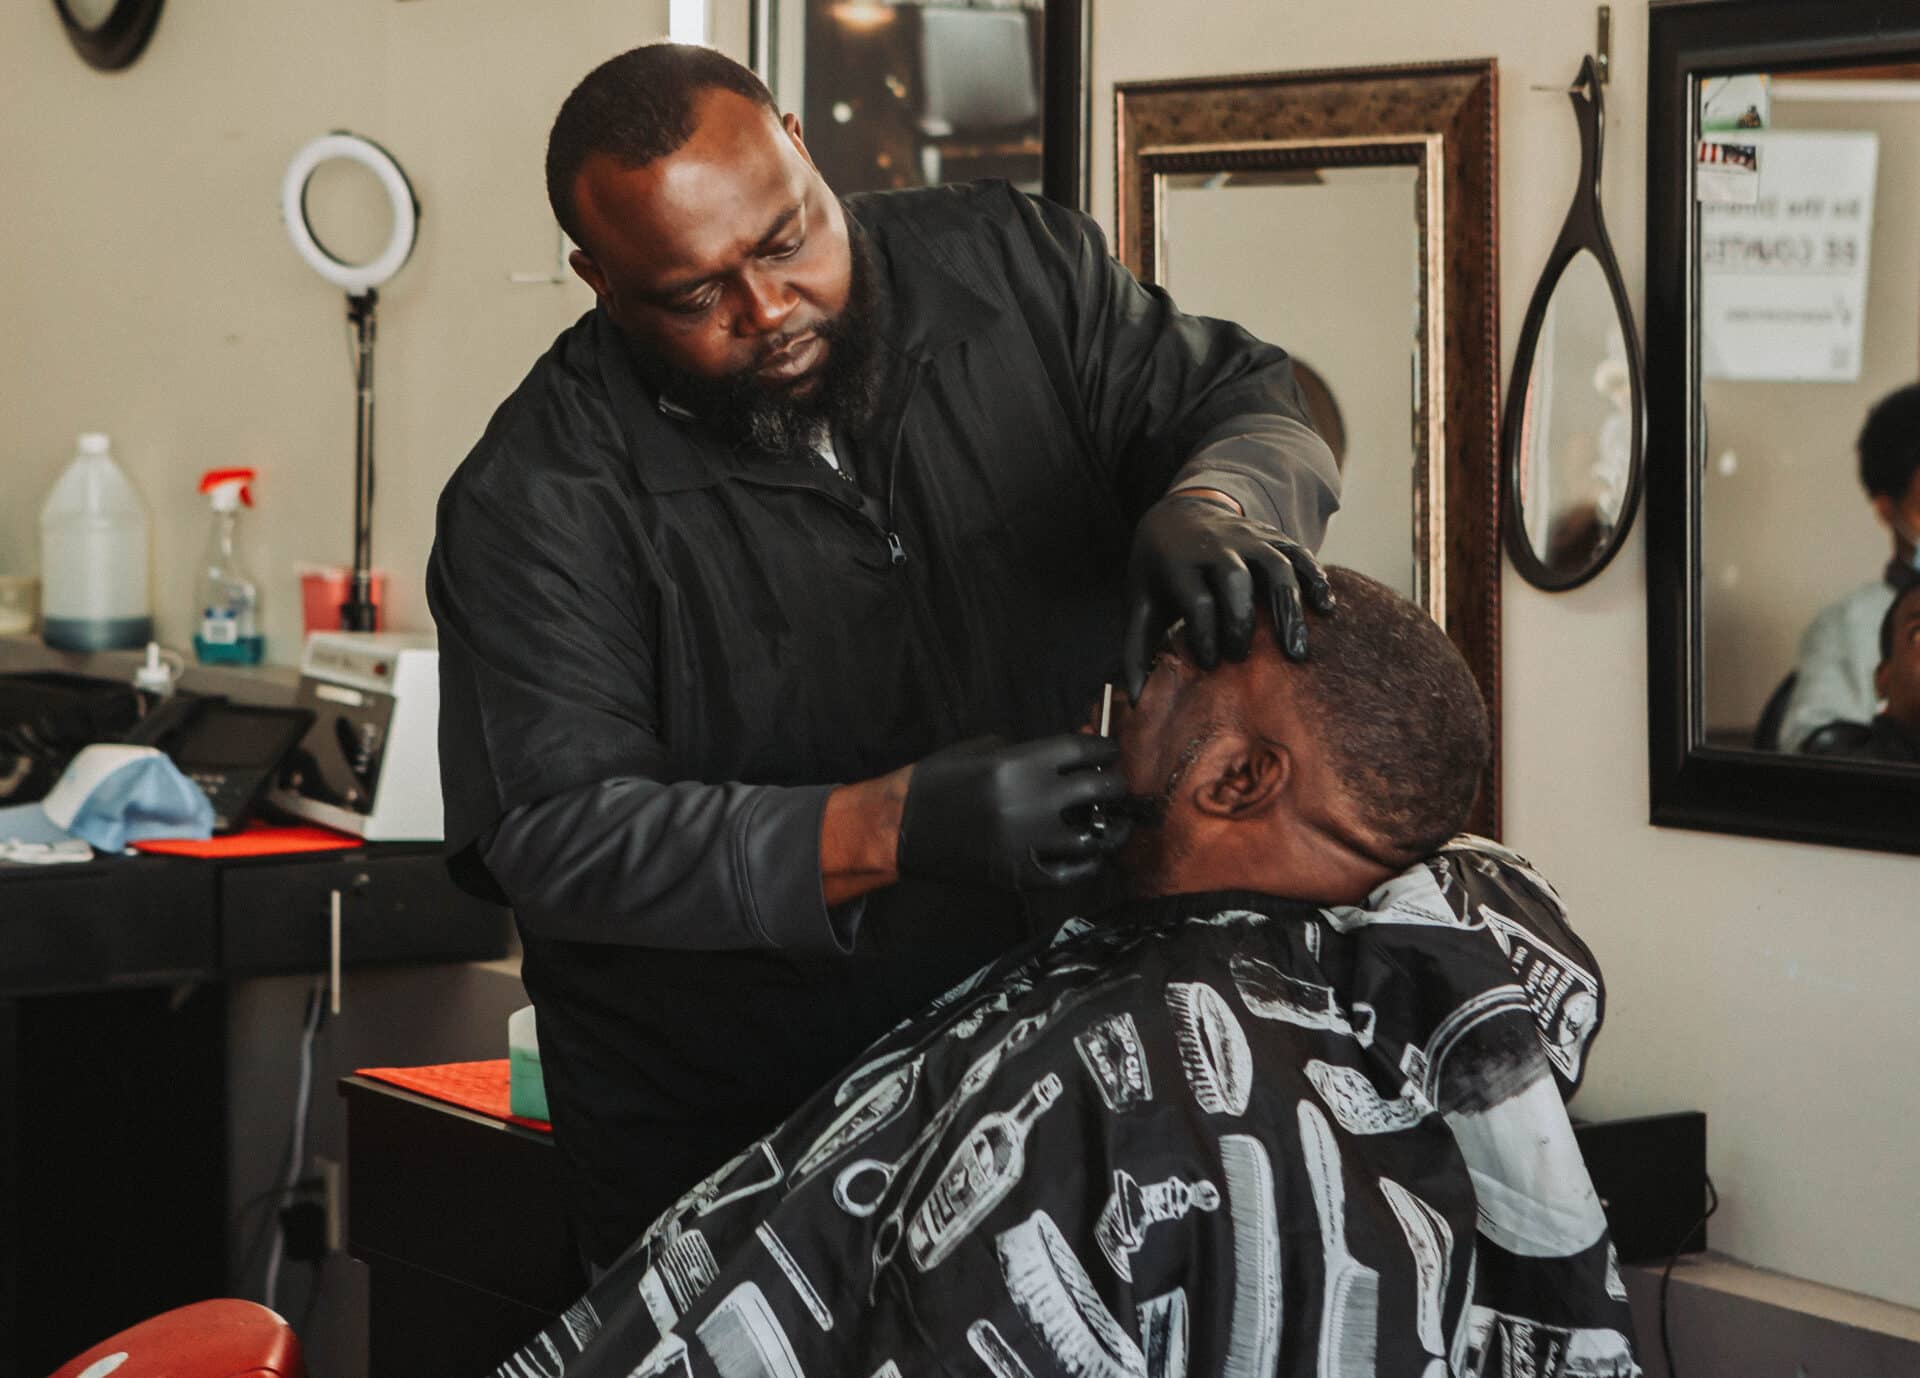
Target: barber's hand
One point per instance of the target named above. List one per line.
(997, 814)
(1193, 558)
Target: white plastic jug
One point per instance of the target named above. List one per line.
(93, 556)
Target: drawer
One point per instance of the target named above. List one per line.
(465, 1198)
(394, 909)
(115, 921)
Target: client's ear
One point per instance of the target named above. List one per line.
(1251, 774)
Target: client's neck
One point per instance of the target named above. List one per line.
(1315, 864)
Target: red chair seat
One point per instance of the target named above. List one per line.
(210, 1339)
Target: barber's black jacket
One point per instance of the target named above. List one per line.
(658, 654)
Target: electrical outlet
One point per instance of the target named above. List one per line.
(331, 1177)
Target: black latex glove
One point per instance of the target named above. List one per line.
(1193, 558)
(990, 813)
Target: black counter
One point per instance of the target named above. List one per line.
(113, 1050)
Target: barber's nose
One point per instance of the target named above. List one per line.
(769, 301)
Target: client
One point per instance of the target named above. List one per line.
(1894, 733)
(1296, 1108)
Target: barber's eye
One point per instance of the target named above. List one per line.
(697, 306)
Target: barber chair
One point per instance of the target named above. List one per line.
(1766, 733)
(210, 1339)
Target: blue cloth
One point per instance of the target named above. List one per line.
(111, 796)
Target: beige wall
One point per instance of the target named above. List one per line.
(1766, 983)
(148, 289)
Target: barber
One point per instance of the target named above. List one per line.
(818, 492)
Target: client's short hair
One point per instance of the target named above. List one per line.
(1402, 717)
(636, 108)
(1889, 444)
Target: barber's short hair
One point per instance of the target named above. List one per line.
(635, 108)
(1399, 713)
(1889, 444)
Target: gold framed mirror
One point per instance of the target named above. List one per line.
(1348, 215)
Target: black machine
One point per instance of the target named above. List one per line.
(46, 716)
(231, 750)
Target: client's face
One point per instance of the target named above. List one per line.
(1899, 676)
(1162, 735)
(1165, 740)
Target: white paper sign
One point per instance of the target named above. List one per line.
(1783, 281)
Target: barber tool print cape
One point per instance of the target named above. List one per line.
(1214, 1134)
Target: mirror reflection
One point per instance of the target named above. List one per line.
(1349, 309)
(91, 14)
(897, 93)
(1807, 187)
(1576, 429)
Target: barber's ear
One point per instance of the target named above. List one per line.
(791, 123)
(588, 272)
(1247, 781)
(1882, 678)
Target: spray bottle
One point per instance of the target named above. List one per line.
(227, 602)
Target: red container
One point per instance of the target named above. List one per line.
(323, 588)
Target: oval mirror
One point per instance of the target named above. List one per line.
(108, 34)
(1574, 426)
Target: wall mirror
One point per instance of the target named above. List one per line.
(1348, 216)
(907, 93)
(108, 34)
(1575, 411)
(1783, 304)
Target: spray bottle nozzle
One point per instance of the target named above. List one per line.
(229, 488)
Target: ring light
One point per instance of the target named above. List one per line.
(353, 278)
(361, 282)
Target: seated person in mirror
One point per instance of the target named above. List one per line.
(1296, 1106)
(1840, 652)
(1894, 733)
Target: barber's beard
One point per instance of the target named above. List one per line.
(841, 394)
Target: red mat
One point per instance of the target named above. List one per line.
(482, 1087)
(256, 839)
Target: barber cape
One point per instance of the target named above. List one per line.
(1212, 1134)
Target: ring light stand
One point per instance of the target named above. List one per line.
(361, 283)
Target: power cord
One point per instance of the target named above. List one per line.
(297, 1141)
(1666, 1276)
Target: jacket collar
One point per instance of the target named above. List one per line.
(928, 307)
(926, 310)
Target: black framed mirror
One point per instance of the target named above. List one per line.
(1783, 310)
(1576, 420)
(902, 93)
(108, 34)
